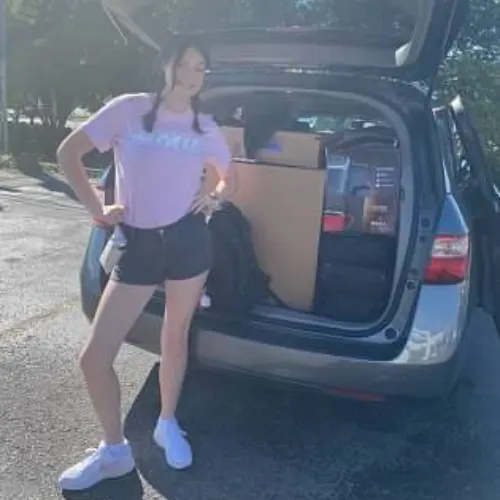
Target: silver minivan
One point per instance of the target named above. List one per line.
(362, 99)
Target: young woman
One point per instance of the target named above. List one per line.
(162, 144)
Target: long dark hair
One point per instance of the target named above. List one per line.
(176, 48)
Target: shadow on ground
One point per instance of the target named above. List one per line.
(8, 189)
(126, 488)
(29, 166)
(252, 441)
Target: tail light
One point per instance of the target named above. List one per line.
(449, 261)
(333, 223)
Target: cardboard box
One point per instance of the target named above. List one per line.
(294, 149)
(284, 206)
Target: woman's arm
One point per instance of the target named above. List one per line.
(99, 131)
(220, 175)
(219, 184)
(69, 155)
(216, 187)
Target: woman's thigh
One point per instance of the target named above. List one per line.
(119, 308)
(182, 298)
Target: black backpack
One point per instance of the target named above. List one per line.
(236, 282)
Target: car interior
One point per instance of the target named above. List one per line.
(319, 180)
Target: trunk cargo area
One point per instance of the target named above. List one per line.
(319, 181)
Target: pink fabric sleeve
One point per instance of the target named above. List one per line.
(217, 149)
(103, 127)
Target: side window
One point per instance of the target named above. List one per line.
(443, 127)
(473, 163)
(472, 169)
(464, 174)
(456, 162)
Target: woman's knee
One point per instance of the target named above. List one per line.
(92, 358)
(86, 360)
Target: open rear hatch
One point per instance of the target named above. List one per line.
(404, 39)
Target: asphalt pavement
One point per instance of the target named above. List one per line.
(251, 440)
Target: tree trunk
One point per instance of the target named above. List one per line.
(61, 108)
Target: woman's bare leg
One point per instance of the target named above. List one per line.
(182, 298)
(118, 310)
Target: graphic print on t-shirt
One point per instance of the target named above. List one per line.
(170, 140)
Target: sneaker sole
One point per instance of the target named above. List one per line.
(174, 466)
(91, 485)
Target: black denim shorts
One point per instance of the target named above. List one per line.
(179, 251)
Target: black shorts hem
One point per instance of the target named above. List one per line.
(138, 279)
(187, 276)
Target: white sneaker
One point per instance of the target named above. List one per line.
(171, 438)
(102, 463)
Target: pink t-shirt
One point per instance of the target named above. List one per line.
(159, 173)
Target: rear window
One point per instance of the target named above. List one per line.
(395, 36)
(290, 129)
(371, 17)
(368, 16)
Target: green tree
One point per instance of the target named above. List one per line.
(64, 53)
(473, 70)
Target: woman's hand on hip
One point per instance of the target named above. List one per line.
(111, 215)
(205, 203)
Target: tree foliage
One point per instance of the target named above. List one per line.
(66, 53)
(63, 53)
(473, 70)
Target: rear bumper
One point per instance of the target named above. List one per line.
(398, 377)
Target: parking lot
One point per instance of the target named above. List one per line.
(252, 440)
